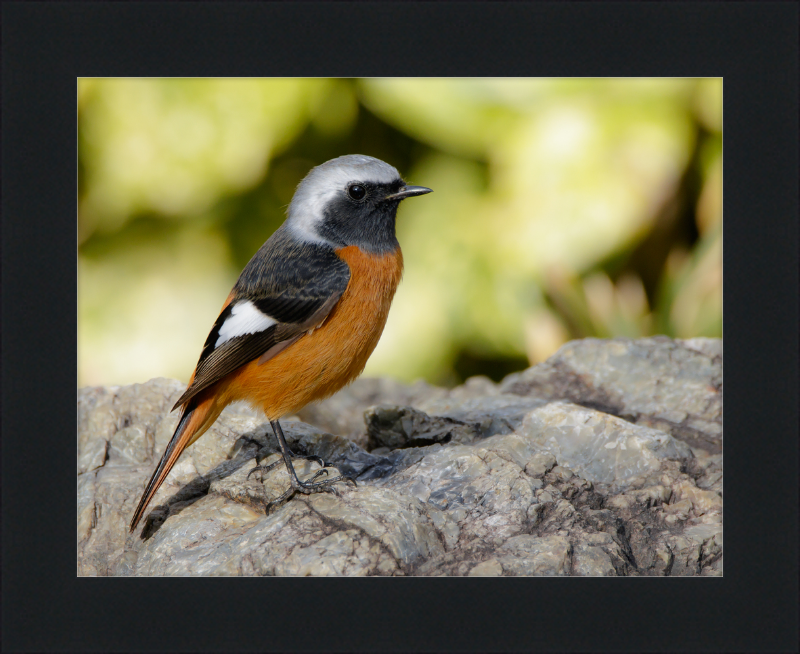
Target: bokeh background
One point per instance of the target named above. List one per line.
(562, 208)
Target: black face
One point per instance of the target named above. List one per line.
(361, 216)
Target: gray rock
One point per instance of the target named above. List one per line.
(395, 427)
(343, 413)
(491, 414)
(674, 386)
(480, 480)
(597, 446)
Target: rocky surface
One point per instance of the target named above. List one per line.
(604, 460)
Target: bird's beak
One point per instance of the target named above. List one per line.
(408, 191)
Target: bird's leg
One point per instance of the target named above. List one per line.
(291, 491)
(298, 486)
(265, 469)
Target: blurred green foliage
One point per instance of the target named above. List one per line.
(562, 208)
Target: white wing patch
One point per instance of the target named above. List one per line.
(245, 318)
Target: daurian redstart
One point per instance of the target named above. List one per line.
(306, 312)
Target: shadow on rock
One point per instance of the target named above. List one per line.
(248, 447)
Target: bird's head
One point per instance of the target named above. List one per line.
(350, 200)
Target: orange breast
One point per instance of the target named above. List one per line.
(334, 354)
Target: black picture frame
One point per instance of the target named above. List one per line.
(47, 46)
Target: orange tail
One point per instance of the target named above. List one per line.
(196, 419)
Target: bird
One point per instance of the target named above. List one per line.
(304, 315)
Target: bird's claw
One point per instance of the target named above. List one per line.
(308, 457)
(264, 469)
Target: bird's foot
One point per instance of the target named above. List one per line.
(269, 505)
(311, 486)
(263, 470)
(304, 487)
(311, 457)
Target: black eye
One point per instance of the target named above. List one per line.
(356, 191)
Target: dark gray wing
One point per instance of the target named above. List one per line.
(296, 284)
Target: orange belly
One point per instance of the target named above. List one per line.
(323, 361)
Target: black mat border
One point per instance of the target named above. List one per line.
(46, 45)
